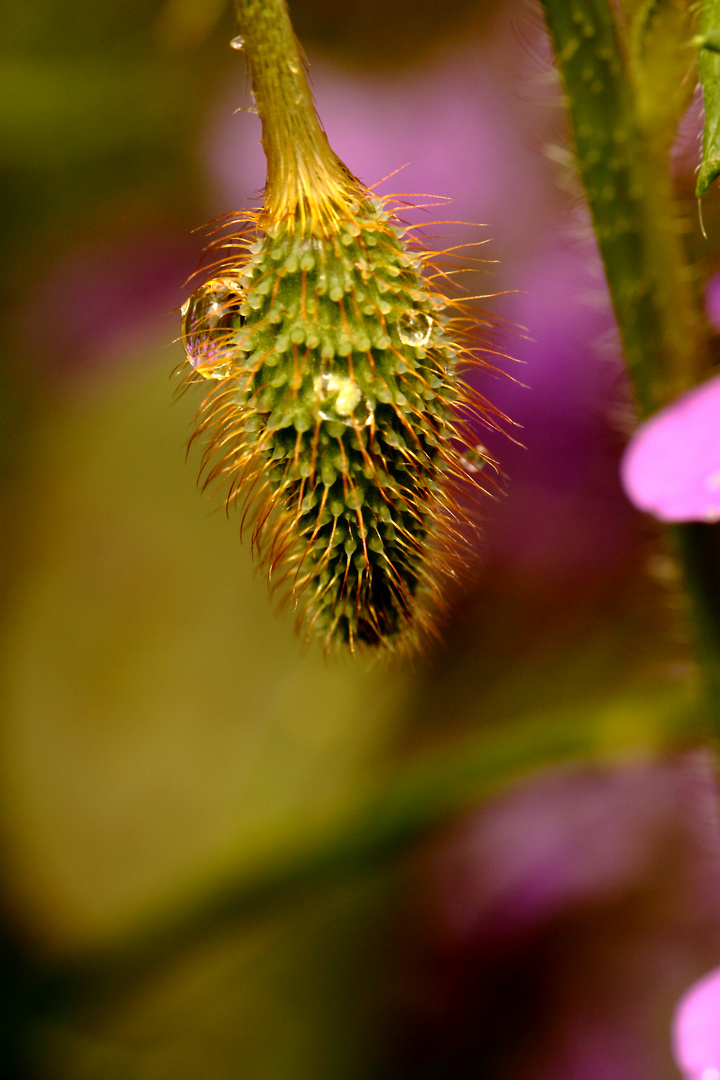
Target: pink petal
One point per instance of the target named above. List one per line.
(696, 1030)
(671, 467)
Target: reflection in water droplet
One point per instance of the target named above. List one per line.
(415, 329)
(475, 458)
(237, 42)
(210, 319)
(338, 398)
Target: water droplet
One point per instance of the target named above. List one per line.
(474, 459)
(415, 329)
(338, 397)
(238, 43)
(210, 320)
(325, 387)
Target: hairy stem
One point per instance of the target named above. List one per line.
(623, 161)
(624, 169)
(301, 166)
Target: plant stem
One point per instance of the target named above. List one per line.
(625, 173)
(624, 166)
(302, 169)
(698, 546)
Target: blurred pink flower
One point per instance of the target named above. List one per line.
(696, 1030)
(671, 467)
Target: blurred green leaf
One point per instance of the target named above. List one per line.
(372, 825)
(174, 755)
(297, 994)
(163, 721)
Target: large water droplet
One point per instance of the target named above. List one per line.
(210, 320)
(238, 42)
(415, 329)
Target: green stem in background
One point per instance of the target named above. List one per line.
(376, 825)
(698, 546)
(623, 162)
(623, 130)
(302, 169)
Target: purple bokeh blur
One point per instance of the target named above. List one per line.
(696, 1030)
(446, 131)
(577, 910)
(104, 299)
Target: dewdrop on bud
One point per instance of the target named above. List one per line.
(341, 422)
(210, 319)
(415, 329)
(338, 397)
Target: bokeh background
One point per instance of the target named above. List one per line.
(170, 752)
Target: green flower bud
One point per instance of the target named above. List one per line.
(336, 411)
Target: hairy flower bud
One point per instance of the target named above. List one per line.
(336, 409)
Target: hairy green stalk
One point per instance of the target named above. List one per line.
(625, 99)
(300, 162)
(622, 144)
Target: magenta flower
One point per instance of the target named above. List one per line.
(671, 467)
(696, 1030)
